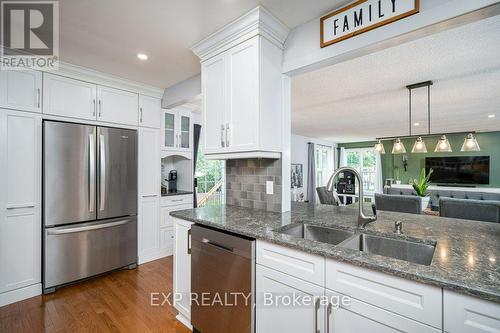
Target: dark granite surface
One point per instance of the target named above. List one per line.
(169, 194)
(466, 259)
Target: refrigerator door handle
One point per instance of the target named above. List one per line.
(91, 172)
(86, 228)
(102, 173)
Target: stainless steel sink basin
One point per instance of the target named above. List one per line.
(317, 233)
(415, 252)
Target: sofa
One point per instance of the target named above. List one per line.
(478, 210)
(436, 193)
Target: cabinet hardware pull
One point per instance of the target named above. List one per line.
(227, 135)
(222, 136)
(177, 200)
(38, 98)
(93, 109)
(316, 310)
(100, 108)
(19, 206)
(328, 313)
(140, 120)
(189, 242)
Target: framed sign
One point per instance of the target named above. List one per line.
(362, 16)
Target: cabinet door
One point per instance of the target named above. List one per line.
(213, 76)
(149, 232)
(149, 111)
(184, 133)
(169, 129)
(464, 313)
(20, 181)
(242, 115)
(68, 97)
(276, 314)
(117, 106)
(356, 316)
(182, 266)
(149, 162)
(21, 90)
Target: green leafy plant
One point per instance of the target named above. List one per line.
(422, 184)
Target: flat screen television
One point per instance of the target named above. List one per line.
(471, 170)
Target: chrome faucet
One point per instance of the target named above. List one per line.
(363, 220)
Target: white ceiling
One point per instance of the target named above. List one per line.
(106, 35)
(365, 98)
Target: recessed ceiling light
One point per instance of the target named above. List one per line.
(142, 56)
(491, 116)
(416, 124)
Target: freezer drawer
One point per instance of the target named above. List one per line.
(86, 249)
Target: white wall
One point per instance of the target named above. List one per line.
(303, 52)
(299, 154)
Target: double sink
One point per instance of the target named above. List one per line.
(411, 251)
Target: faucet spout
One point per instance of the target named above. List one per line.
(363, 219)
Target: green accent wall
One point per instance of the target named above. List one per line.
(488, 141)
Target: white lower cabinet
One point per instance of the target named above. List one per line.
(182, 269)
(20, 217)
(358, 316)
(148, 233)
(469, 314)
(275, 310)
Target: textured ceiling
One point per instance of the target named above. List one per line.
(106, 35)
(365, 98)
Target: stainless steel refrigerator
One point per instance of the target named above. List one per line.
(89, 201)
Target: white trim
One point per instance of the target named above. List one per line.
(184, 321)
(250, 154)
(258, 21)
(20, 294)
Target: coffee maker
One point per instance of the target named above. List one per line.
(172, 181)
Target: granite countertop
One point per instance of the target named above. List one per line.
(169, 194)
(466, 258)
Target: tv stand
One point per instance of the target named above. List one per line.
(456, 185)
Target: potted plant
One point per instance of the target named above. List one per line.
(421, 185)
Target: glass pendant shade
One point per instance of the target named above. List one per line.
(419, 146)
(470, 143)
(398, 147)
(379, 147)
(443, 145)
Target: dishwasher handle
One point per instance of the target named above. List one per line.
(217, 245)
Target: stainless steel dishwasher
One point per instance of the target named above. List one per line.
(222, 282)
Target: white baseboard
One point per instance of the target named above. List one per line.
(184, 321)
(144, 258)
(20, 294)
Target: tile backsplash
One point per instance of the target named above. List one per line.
(246, 183)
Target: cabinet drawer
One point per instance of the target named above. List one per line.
(407, 298)
(469, 314)
(296, 263)
(176, 200)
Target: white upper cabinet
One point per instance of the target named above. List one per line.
(242, 87)
(21, 90)
(176, 128)
(67, 97)
(117, 106)
(214, 104)
(149, 111)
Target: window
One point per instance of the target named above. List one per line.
(210, 179)
(365, 161)
(324, 164)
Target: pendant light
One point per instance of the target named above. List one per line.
(398, 147)
(419, 146)
(379, 147)
(470, 143)
(443, 145)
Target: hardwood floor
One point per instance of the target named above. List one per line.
(117, 302)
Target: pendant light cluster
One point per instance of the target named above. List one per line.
(443, 145)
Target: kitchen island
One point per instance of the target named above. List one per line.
(464, 261)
